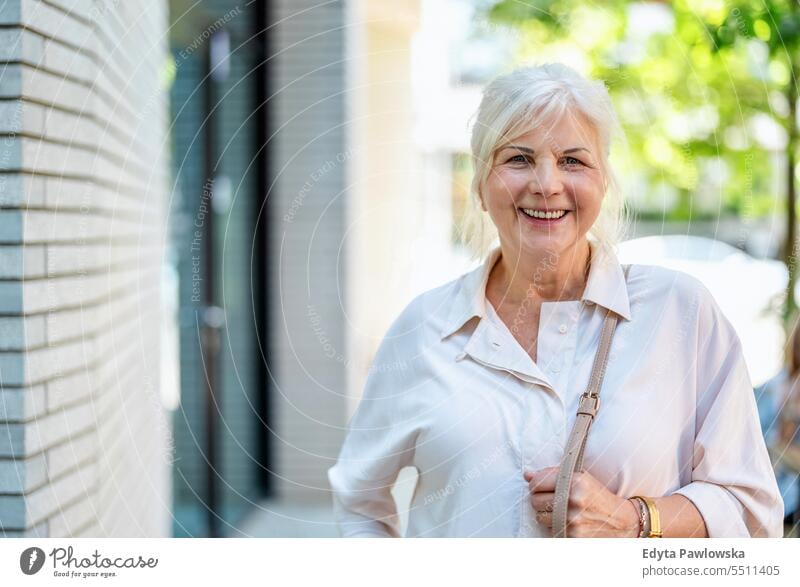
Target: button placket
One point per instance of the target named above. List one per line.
(539, 447)
(554, 325)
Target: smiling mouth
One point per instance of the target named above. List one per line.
(544, 215)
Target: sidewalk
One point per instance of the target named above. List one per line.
(279, 519)
(275, 519)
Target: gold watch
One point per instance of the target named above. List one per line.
(655, 518)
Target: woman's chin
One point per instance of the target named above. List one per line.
(545, 242)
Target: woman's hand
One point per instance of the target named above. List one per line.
(593, 511)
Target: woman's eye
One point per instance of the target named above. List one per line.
(518, 159)
(573, 161)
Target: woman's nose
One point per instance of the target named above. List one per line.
(546, 180)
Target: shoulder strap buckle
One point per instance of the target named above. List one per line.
(589, 405)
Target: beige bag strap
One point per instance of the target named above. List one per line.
(587, 410)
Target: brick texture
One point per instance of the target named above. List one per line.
(84, 165)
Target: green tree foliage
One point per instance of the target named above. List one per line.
(706, 96)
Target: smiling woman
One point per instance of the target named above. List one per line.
(545, 191)
(545, 104)
(503, 362)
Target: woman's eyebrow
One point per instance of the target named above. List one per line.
(518, 148)
(531, 151)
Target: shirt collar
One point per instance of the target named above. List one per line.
(605, 287)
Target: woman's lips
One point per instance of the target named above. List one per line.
(543, 221)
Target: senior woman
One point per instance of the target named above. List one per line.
(477, 382)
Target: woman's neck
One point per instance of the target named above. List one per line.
(549, 276)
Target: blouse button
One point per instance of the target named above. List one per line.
(562, 329)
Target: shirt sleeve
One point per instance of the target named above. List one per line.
(380, 441)
(732, 482)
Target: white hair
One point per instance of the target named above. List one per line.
(529, 98)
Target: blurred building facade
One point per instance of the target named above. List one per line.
(213, 214)
(318, 199)
(84, 434)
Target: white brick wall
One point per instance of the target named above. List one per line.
(83, 195)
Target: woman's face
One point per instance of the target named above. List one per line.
(545, 187)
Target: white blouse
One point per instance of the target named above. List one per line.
(453, 394)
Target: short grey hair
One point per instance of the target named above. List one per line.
(529, 98)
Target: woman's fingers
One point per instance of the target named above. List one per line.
(543, 479)
(545, 519)
(542, 494)
(589, 511)
(542, 501)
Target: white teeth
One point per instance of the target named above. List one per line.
(554, 214)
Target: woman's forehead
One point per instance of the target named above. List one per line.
(567, 128)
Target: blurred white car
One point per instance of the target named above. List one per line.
(748, 290)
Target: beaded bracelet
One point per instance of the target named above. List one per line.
(644, 516)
